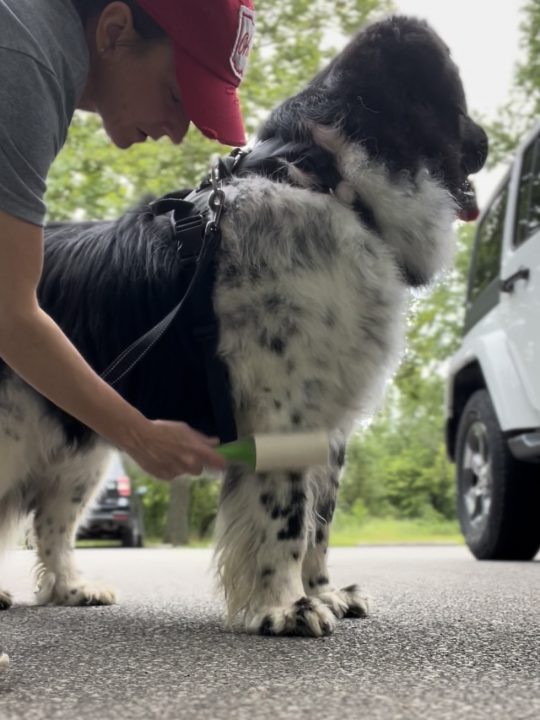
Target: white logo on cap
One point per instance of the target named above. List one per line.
(244, 41)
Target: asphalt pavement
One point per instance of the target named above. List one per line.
(448, 638)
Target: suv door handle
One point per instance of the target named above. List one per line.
(507, 285)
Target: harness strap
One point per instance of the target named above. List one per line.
(197, 243)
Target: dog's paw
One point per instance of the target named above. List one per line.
(348, 602)
(307, 617)
(76, 593)
(84, 594)
(5, 600)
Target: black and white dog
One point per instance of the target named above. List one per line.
(347, 198)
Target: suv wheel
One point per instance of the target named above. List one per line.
(498, 496)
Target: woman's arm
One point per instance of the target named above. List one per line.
(35, 347)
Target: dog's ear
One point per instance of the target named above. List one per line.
(474, 145)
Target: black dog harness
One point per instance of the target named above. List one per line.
(195, 222)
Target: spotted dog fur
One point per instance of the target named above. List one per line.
(347, 198)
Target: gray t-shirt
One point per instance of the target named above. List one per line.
(43, 70)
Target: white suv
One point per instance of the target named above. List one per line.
(493, 393)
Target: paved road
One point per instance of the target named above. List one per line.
(449, 638)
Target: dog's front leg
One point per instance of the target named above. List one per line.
(348, 601)
(261, 544)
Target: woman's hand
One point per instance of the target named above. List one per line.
(167, 449)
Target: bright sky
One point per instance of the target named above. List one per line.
(483, 36)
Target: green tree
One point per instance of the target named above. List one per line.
(517, 115)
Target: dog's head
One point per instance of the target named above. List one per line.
(395, 91)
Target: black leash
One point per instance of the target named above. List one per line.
(188, 230)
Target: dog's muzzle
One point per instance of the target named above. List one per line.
(467, 203)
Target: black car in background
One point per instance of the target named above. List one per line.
(117, 512)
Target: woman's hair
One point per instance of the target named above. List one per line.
(147, 28)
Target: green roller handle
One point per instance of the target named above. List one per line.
(242, 452)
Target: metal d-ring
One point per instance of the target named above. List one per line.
(216, 201)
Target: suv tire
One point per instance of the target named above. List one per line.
(498, 497)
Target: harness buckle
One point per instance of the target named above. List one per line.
(216, 201)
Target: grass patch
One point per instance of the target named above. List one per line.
(149, 542)
(97, 543)
(347, 532)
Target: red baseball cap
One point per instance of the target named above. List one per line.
(211, 40)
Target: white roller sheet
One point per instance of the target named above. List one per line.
(291, 452)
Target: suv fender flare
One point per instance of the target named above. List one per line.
(486, 362)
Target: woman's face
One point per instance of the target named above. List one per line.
(132, 85)
(137, 96)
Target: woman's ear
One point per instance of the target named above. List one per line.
(114, 28)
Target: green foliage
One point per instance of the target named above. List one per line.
(364, 477)
(155, 501)
(517, 115)
(404, 472)
(203, 503)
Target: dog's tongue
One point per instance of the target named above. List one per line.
(469, 213)
(468, 207)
